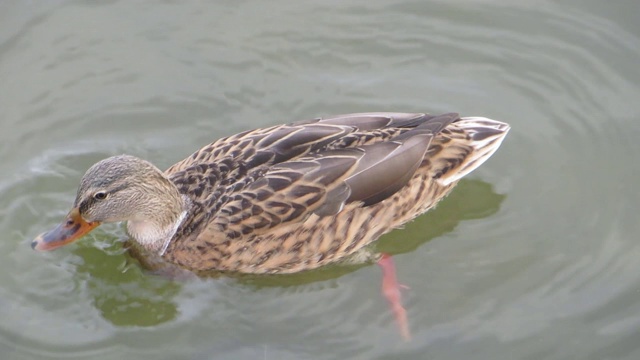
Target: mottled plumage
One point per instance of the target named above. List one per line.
(290, 197)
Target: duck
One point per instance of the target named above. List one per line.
(285, 198)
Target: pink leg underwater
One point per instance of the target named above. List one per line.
(391, 291)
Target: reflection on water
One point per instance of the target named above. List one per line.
(471, 199)
(123, 293)
(127, 295)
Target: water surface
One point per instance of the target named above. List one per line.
(533, 256)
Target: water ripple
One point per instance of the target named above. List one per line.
(538, 243)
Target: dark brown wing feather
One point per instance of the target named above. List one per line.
(298, 196)
(253, 181)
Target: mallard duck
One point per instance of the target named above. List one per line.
(285, 198)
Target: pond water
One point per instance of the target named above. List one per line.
(533, 256)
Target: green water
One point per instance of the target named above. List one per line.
(533, 256)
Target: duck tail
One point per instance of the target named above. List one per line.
(464, 145)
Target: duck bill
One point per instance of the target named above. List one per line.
(71, 229)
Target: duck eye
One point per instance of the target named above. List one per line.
(100, 195)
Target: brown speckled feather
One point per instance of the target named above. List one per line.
(298, 196)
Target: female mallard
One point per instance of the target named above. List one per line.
(285, 198)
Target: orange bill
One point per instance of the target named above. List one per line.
(73, 228)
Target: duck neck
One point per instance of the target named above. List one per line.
(155, 225)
